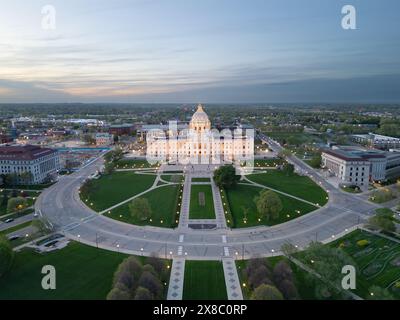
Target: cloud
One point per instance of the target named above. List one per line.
(380, 88)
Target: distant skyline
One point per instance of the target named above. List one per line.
(210, 51)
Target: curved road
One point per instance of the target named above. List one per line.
(62, 206)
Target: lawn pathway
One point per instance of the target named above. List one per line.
(175, 286)
(184, 215)
(218, 208)
(232, 282)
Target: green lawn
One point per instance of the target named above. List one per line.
(201, 180)
(176, 178)
(163, 202)
(83, 272)
(198, 211)
(243, 196)
(112, 189)
(204, 280)
(378, 262)
(295, 185)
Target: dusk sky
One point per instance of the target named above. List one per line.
(199, 51)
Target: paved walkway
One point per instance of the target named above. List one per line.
(233, 288)
(218, 208)
(185, 205)
(175, 287)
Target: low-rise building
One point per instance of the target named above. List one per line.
(121, 129)
(355, 166)
(350, 169)
(104, 139)
(377, 141)
(30, 164)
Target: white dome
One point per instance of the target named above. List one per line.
(200, 115)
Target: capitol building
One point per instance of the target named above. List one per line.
(199, 143)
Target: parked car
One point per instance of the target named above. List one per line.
(9, 220)
(16, 237)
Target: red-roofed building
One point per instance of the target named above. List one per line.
(41, 163)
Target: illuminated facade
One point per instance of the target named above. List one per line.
(199, 143)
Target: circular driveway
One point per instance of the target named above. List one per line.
(61, 205)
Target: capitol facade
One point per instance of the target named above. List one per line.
(199, 143)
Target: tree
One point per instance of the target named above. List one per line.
(289, 249)
(266, 292)
(288, 290)
(152, 283)
(315, 161)
(118, 294)
(282, 271)
(284, 153)
(156, 263)
(261, 275)
(11, 179)
(5, 198)
(88, 187)
(381, 195)
(40, 225)
(109, 168)
(226, 177)
(379, 293)
(140, 209)
(269, 205)
(288, 169)
(284, 280)
(327, 262)
(114, 155)
(26, 177)
(16, 204)
(143, 294)
(127, 274)
(6, 255)
(149, 268)
(382, 220)
(88, 139)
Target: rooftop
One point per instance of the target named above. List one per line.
(26, 153)
(350, 153)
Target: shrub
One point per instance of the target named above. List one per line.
(362, 243)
